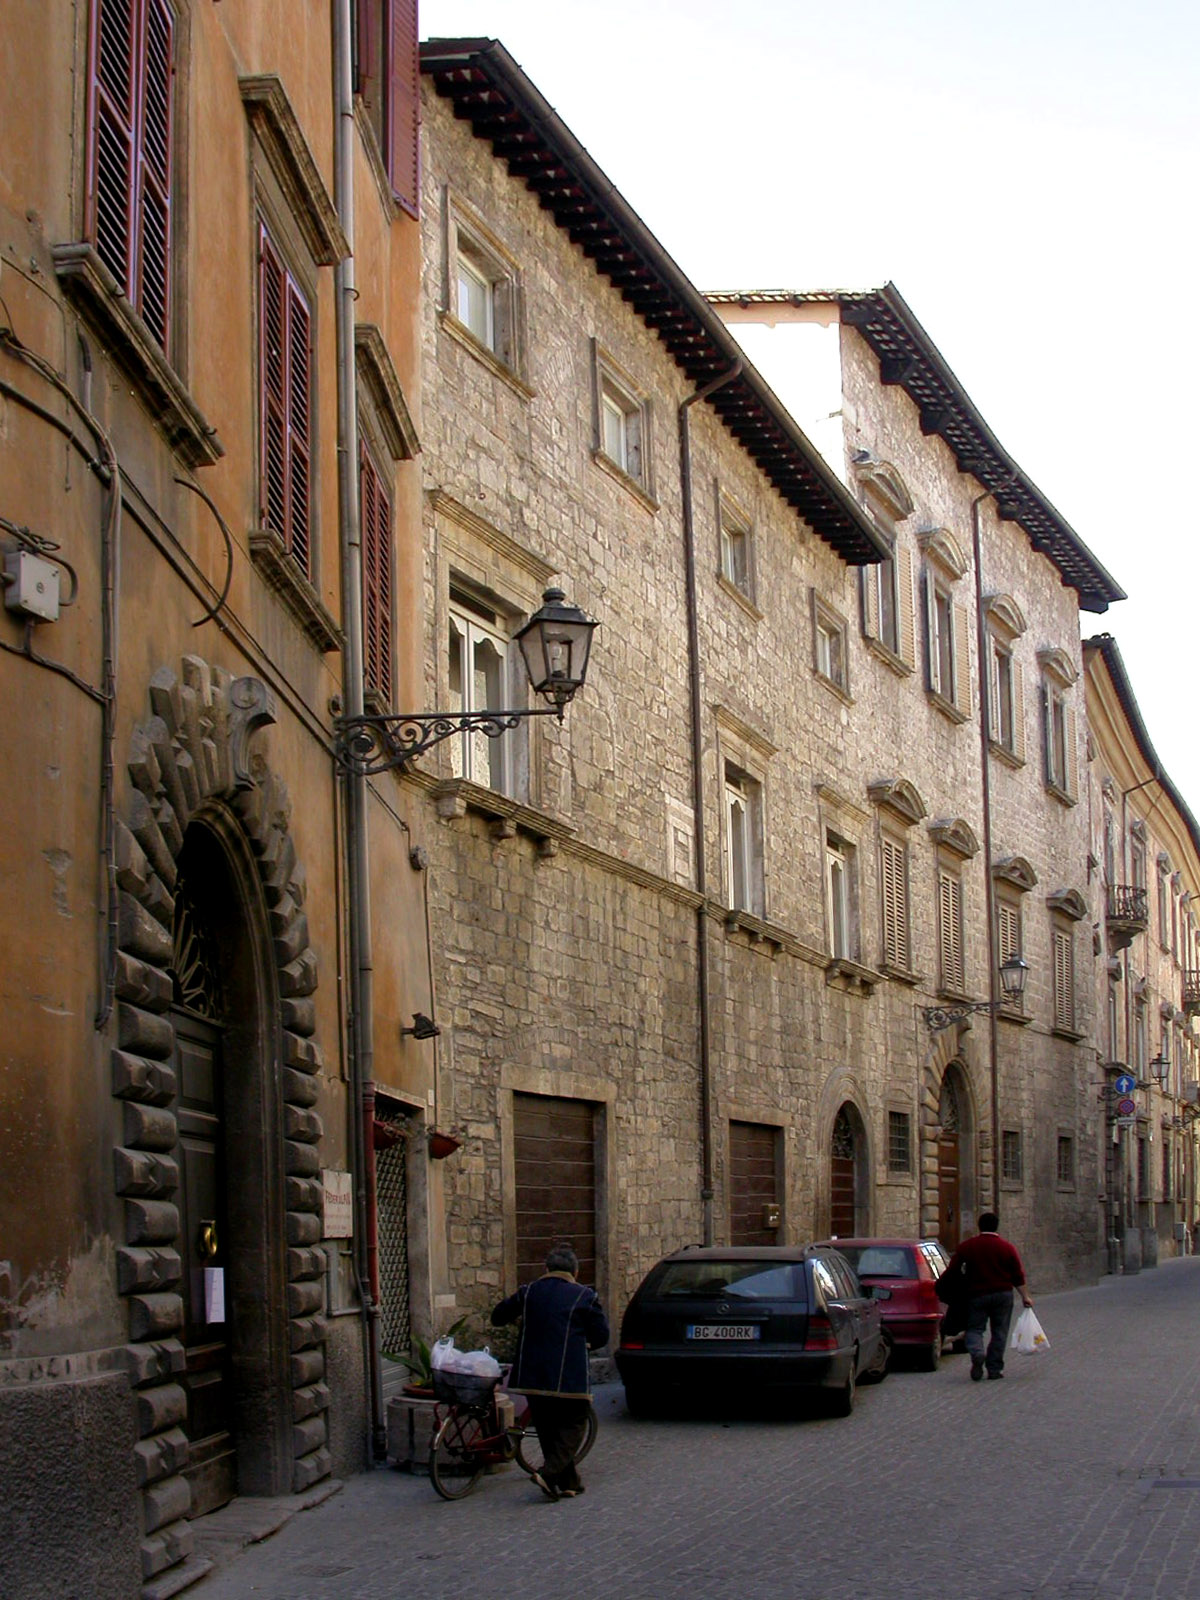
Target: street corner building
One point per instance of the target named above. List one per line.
(179, 1313)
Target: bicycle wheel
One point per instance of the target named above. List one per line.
(529, 1449)
(456, 1455)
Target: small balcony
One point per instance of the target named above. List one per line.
(1126, 914)
(1191, 992)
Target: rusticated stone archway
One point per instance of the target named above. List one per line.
(947, 1083)
(190, 762)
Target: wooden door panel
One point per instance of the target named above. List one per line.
(841, 1197)
(554, 1152)
(753, 1182)
(949, 1218)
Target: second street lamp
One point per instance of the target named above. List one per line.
(555, 645)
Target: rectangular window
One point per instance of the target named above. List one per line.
(1140, 1042)
(1012, 1166)
(735, 549)
(388, 80)
(894, 879)
(1059, 741)
(1065, 1170)
(478, 681)
(484, 289)
(1007, 700)
(888, 605)
(1064, 981)
(623, 418)
(743, 860)
(1166, 1169)
(829, 645)
(1143, 1168)
(130, 108)
(285, 404)
(899, 1141)
(839, 896)
(1008, 940)
(375, 515)
(1164, 914)
(950, 931)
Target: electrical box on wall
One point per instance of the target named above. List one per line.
(31, 585)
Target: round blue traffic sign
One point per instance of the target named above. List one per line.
(1125, 1085)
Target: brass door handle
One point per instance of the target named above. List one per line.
(207, 1246)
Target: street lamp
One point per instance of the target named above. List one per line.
(1160, 1067)
(555, 644)
(1014, 972)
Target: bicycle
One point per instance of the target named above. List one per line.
(469, 1434)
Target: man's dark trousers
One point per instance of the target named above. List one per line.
(997, 1309)
(561, 1428)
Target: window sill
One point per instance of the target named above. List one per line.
(461, 334)
(1070, 1034)
(901, 974)
(842, 973)
(740, 595)
(1020, 1019)
(834, 687)
(1012, 1185)
(1007, 756)
(1061, 795)
(899, 1179)
(283, 575)
(756, 930)
(88, 282)
(902, 668)
(947, 708)
(636, 489)
(455, 797)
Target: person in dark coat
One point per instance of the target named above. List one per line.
(561, 1320)
(991, 1269)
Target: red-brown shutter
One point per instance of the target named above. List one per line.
(129, 165)
(404, 104)
(376, 518)
(285, 380)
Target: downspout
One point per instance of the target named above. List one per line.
(985, 739)
(693, 635)
(362, 1041)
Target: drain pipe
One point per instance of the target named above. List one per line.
(693, 632)
(985, 739)
(362, 1041)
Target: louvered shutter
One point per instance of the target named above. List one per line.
(929, 596)
(285, 402)
(404, 104)
(129, 165)
(1018, 710)
(906, 633)
(1064, 982)
(950, 930)
(1009, 927)
(895, 904)
(962, 661)
(299, 428)
(376, 519)
(870, 602)
(1070, 754)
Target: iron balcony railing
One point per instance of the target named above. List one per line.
(1128, 905)
(1191, 991)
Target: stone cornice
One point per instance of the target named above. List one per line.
(378, 376)
(286, 149)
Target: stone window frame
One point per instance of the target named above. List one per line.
(830, 622)
(1065, 998)
(158, 375)
(905, 1174)
(1065, 1181)
(735, 528)
(1060, 754)
(1005, 624)
(743, 755)
(1012, 1158)
(614, 390)
(1012, 879)
(899, 807)
(947, 624)
(489, 569)
(887, 590)
(472, 247)
(954, 845)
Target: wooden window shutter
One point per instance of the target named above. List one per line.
(1070, 754)
(1047, 734)
(285, 402)
(950, 930)
(929, 594)
(1018, 710)
(1009, 925)
(1064, 982)
(962, 661)
(906, 633)
(895, 905)
(870, 602)
(129, 161)
(404, 104)
(376, 518)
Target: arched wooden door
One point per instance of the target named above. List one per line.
(949, 1164)
(843, 1177)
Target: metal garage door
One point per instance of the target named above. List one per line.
(554, 1144)
(753, 1182)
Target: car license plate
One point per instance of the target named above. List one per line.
(723, 1330)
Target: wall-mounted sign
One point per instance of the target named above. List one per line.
(338, 1207)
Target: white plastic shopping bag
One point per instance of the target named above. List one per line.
(442, 1353)
(1027, 1336)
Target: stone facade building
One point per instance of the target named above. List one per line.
(1145, 861)
(178, 1313)
(690, 944)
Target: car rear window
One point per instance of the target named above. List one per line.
(733, 1280)
(880, 1261)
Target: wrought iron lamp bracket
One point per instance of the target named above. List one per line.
(938, 1018)
(369, 744)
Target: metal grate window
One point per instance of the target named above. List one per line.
(899, 1141)
(1066, 1159)
(1012, 1156)
(391, 1180)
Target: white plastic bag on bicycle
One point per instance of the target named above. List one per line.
(446, 1357)
(1027, 1336)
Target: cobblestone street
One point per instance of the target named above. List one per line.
(1078, 1478)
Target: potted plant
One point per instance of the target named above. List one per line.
(442, 1144)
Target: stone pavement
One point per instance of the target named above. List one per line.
(1077, 1478)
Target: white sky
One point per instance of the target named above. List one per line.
(1025, 172)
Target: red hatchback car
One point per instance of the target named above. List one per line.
(907, 1269)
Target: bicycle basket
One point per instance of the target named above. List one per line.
(462, 1388)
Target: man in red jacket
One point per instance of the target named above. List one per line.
(991, 1270)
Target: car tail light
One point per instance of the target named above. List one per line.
(820, 1334)
(929, 1296)
(633, 1344)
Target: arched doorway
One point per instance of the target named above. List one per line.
(951, 1127)
(847, 1174)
